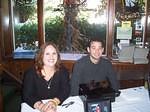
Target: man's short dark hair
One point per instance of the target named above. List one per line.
(98, 39)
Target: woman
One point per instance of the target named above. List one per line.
(48, 79)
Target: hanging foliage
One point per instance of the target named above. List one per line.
(25, 9)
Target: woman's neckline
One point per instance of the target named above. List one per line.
(48, 74)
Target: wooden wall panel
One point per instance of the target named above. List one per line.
(6, 27)
(0, 32)
(1, 98)
(128, 74)
(131, 75)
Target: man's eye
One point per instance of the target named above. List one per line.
(93, 47)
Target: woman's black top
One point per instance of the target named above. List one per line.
(35, 87)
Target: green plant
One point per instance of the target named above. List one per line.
(26, 34)
(92, 30)
(25, 9)
(54, 29)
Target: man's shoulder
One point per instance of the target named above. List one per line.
(83, 59)
(105, 60)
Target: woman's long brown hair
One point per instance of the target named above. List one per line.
(39, 58)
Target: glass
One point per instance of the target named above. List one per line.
(24, 27)
(70, 23)
(129, 24)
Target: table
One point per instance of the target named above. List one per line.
(130, 100)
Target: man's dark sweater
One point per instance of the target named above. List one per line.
(85, 71)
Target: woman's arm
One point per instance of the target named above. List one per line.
(28, 94)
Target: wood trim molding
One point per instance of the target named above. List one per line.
(40, 22)
(110, 28)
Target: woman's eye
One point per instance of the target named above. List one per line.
(54, 53)
(47, 53)
(51, 53)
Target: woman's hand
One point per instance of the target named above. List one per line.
(38, 105)
(49, 107)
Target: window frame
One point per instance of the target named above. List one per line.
(9, 53)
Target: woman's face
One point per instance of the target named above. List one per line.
(50, 56)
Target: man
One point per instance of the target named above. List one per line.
(93, 67)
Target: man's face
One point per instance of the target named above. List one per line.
(95, 50)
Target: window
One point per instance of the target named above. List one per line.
(68, 23)
(129, 24)
(25, 27)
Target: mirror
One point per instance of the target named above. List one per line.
(129, 24)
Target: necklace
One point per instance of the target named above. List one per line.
(49, 83)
